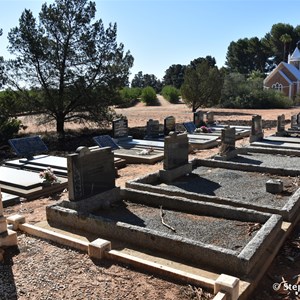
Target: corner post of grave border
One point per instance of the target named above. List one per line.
(228, 285)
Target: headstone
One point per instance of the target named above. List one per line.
(176, 154)
(281, 125)
(169, 125)
(152, 129)
(298, 119)
(189, 127)
(105, 141)
(120, 128)
(176, 150)
(28, 146)
(227, 141)
(198, 118)
(90, 172)
(294, 123)
(210, 118)
(256, 129)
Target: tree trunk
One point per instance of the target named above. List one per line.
(60, 123)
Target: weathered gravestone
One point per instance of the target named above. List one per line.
(256, 129)
(28, 146)
(169, 125)
(210, 118)
(227, 147)
(90, 172)
(294, 123)
(199, 118)
(176, 154)
(281, 125)
(152, 129)
(7, 237)
(120, 128)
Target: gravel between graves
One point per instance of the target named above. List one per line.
(230, 234)
(247, 187)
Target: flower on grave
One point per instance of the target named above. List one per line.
(48, 176)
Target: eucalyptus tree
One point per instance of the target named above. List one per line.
(73, 62)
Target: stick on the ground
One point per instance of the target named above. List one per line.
(163, 222)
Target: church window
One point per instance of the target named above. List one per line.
(277, 86)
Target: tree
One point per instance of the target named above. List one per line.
(285, 39)
(76, 66)
(202, 86)
(141, 81)
(1, 67)
(174, 76)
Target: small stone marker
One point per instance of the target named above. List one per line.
(189, 127)
(120, 128)
(227, 140)
(210, 118)
(28, 146)
(176, 154)
(256, 129)
(90, 172)
(294, 123)
(198, 118)
(105, 141)
(152, 129)
(281, 125)
(169, 125)
(274, 186)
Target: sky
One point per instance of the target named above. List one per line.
(160, 33)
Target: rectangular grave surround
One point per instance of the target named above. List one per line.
(228, 183)
(201, 229)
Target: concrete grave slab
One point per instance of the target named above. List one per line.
(9, 199)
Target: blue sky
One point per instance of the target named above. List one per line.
(160, 33)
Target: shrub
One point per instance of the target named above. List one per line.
(171, 94)
(129, 96)
(149, 96)
(8, 128)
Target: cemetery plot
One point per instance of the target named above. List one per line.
(228, 183)
(27, 184)
(218, 237)
(146, 154)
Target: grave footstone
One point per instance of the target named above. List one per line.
(169, 125)
(28, 146)
(176, 152)
(152, 129)
(256, 129)
(120, 128)
(90, 172)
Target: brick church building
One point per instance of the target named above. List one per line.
(286, 76)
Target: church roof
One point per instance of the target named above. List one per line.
(296, 55)
(293, 69)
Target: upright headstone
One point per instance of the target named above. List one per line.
(90, 172)
(227, 148)
(281, 125)
(294, 121)
(298, 119)
(210, 118)
(169, 125)
(28, 146)
(176, 152)
(199, 118)
(256, 129)
(152, 130)
(7, 237)
(120, 128)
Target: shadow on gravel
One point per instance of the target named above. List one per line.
(8, 290)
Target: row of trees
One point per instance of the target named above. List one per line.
(68, 67)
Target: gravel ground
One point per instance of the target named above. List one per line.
(242, 186)
(230, 234)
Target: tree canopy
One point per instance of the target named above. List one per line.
(75, 65)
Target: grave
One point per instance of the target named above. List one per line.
(281, 126)
(199, 119)
(27, 184)
(175, 157)
(120, 129)
(152, 130)
(146, 154)
(169, 125)
(227, 148)
(256, 129)
(9, 199)
(7, 237)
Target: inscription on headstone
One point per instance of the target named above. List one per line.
(28, 146)
(169, 125)
(189, 127)
(120, 128)
(90, 172)
(176, 150)
(198, 118)
(227, 140)
(152, 128)
(105, 141)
